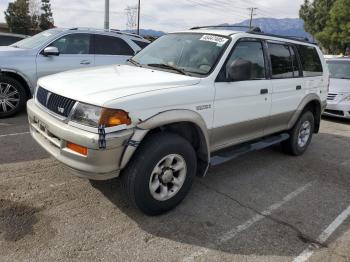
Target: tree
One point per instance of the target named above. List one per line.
(336, 35)
(46, 19)
(328, 21)
(34, 12)
(17, 17)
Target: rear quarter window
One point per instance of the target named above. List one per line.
(310, 61)
(141, 44)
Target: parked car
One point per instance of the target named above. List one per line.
(338, 101)
(8, 39)
(189, 100)
(54, 51)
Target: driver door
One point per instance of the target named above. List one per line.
(243, 96)
(75, 52)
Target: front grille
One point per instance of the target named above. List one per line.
(331, 96)
(335, 112)
(60, 105)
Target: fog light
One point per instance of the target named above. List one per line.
(77, 148)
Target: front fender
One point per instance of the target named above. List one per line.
(166, 118)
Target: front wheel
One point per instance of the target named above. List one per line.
(12, 97)
(300, 135)
(161, 173)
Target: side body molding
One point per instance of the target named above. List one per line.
(307, 99)
(171, 117)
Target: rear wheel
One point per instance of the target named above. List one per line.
(161, 173)
(300, 135)
(12, 97)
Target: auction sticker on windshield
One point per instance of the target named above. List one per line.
(216, 39)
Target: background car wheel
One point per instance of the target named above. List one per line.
(12, 97)
(161, 173)
(300, 135)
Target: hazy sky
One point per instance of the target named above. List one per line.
(166, 15)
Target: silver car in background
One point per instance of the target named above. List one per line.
(339, 90)
(57, 50)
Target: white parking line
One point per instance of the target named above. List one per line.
(247, 224)
(307, 253)
(15, 134)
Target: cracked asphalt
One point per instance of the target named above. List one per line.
(264, 206)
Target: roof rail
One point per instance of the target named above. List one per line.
(116, 31)
(294, 38)
(250, 29)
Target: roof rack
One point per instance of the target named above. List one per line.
(116, 31)
(250, 29)
(295, 38)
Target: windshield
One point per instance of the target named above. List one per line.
(184, 53)
(339, 69)
(36, 40)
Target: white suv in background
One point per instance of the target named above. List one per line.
(187, 101)
(57, 50)
(338, 103)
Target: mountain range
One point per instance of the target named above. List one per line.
(285, 27)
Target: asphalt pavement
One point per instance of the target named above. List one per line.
(263, 206)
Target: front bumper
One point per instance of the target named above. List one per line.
(338, 109)
(53, 135)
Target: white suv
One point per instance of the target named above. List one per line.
(187, 101)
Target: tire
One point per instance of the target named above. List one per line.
(294, 146)
(8, 86)
(141, 174)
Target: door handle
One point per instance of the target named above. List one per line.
(298, 87)
(264, 91)
(85, 62)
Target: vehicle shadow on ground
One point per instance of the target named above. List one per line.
(336, 120)
(234, 192)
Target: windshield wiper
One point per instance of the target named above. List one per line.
(165, 66)
(134, 62)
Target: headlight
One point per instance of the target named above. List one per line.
(95, 116)
(347, 98)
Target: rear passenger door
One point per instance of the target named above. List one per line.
(243, 96)
(288, 87)
(111, 50)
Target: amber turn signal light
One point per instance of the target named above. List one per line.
(77, 148)
(114, 117)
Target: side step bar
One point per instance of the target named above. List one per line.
(228, 154)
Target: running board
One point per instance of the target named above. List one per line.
(228, 154)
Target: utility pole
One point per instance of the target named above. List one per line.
(138, 17)
(106, 14)
(252, 10)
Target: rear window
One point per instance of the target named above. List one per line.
(310, 61)
(109, 45)
(281, 61)
(141, 44)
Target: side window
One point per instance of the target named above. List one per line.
(73, 44)
(109, 45)
(141, 44)
(281, 61)
(8, 40)
(310, 60)
(295, 63)
(246, 62)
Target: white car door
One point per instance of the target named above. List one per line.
(243, 96)
(75, 52)
(288, 88)
(111, 50)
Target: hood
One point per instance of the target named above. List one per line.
(12, 51)
(102, 84)
(339, 86)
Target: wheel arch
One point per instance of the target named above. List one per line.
(20, 78)
(313, 103)
(186, 123)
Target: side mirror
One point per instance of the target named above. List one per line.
(239, 70)
(51, 51)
